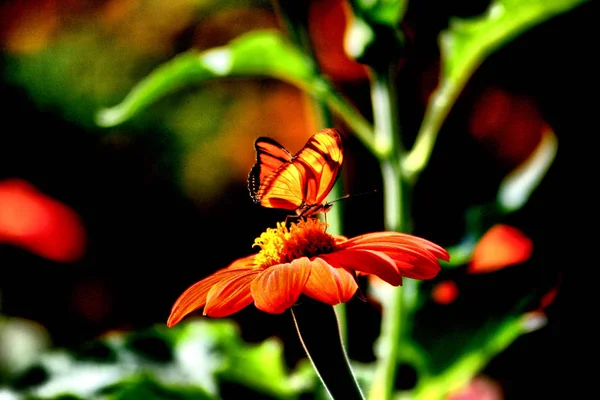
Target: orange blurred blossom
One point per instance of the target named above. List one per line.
(444, 292)
(479, 388)
(500, 247)
(305, 259)
(33, 221)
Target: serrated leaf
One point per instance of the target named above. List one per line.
(264, 53)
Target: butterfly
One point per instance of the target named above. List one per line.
(298, 182)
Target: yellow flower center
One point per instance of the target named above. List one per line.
(306, 238)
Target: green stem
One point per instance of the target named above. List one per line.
(324, 347)
(295, 17)
(355, 121)
(396, 214)
(439, 106)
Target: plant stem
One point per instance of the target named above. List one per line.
(396, 214)
(295, 17)
(324, 346)
(437, 110)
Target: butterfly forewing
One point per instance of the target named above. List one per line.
(301, 182)
(270, 156)
(319, 161)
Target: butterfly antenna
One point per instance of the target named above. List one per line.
(352, 195)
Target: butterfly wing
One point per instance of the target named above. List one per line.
(301, 182)
(319, 162)
(270, 156)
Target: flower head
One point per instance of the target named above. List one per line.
(305, 259)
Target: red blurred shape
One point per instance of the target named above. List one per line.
(328, 20)
(500, 247)
(508, 126)
(33, 221)
(444, 292)
(548, 298)
(480, 388)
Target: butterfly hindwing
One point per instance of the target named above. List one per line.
(300, 182)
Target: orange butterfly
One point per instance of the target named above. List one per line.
(300, 182)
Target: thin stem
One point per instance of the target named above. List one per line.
(324, 346)
(355, 121)
(396, 214)
(437, 111)
(295, 16)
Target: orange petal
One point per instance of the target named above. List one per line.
(371, 262)
(328, 284)
(421, 270)
(403, 253)
(195, 296)
(500, 247)
(33, 221)
(399, 239)
(230, 294)
(277, 288)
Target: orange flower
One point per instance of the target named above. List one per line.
(305, 259)
(33, 221)
(500, 247)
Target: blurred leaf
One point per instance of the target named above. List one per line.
(513, 193)
(192, 360)
(467, 42)
(385, 12)
(463, 46)
(472, 350)
(374, 36)
(260, 367)
(149, 389)
(516, 188)
(255, 54)
(21, 341)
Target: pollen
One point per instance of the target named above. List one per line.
(306, 238)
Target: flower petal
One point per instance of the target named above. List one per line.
(38, 223)
(195, 296)
(372, 262)
(500, 247)
(278, 287)
(231, 294)
(330, 285)
(423, 270)
(399, 239)
(402, 252)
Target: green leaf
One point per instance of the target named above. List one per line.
(385, 12)
(513, 193)
(260, 367)
(192, 360)
(467, 42)
(374, 36)
(463, 46)
(255, 54)
(516, 188)
(475, 349)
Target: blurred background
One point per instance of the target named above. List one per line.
(102, 228)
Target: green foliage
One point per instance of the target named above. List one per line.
(256, 54)
(192, 360)
(467, 42)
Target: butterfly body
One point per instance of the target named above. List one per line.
(299, 182)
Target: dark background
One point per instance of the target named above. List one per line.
(147, 242)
